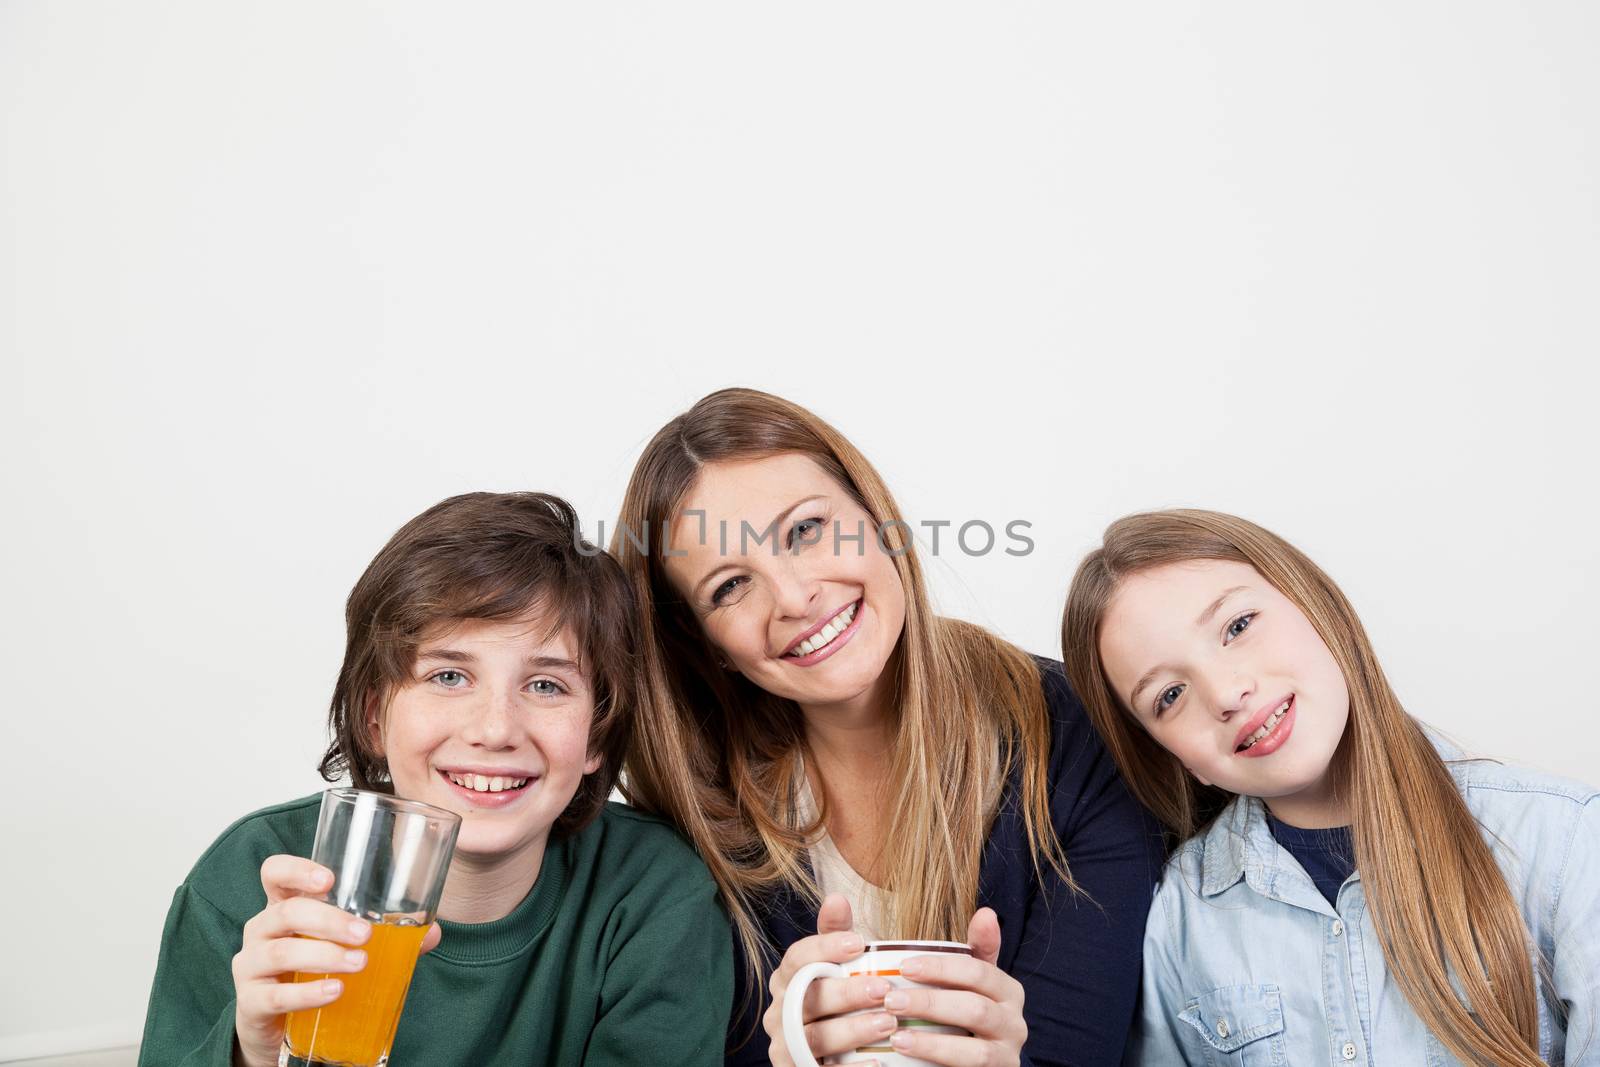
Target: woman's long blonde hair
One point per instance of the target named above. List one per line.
(1439, 901)
(717, 756)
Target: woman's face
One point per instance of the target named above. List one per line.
(788, 577)
(1227, 674)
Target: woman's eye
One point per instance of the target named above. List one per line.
(545, 687)
(451, 679)
(1240, 625)
(722, 591)
(806, 532)
(1169, 696)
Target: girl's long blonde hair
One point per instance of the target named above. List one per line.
(1439, 901)
(717, 756)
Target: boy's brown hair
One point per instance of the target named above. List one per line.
(495, 556)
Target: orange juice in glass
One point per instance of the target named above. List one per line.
(389, 859)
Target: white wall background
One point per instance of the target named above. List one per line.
(275, 277)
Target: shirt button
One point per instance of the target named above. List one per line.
(1349, 1051)
(1338, 928)
(1222, 1028)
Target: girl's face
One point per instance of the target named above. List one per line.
(494, 725)
(1229, 676)
(788, 578)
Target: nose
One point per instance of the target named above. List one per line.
(491, 720)
(1230, 692)
(794, 591)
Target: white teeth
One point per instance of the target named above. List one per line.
(480, 784)
(836, 626)
(1266, 728)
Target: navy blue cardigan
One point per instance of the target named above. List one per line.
(1078, 961)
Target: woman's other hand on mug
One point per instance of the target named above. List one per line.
(828, 999)
(972, 993)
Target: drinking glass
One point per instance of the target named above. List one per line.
(389, 859)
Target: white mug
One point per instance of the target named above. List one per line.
(881, 958)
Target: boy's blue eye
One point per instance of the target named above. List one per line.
(545, 687)
(451, 679)
(1169, 696)
(1240, 625)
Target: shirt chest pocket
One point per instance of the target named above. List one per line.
(1238, 1026)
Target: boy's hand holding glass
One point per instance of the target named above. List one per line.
(296, 931)
(365, 910)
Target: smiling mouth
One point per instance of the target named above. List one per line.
(825, 636)
(1267, 727)
(480, 783)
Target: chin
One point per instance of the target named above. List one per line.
(490, 845)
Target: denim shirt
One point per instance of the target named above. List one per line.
(1246, 963)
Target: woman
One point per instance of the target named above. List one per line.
(849, 763)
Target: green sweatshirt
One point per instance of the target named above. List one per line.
(620, 954)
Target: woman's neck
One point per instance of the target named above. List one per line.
(483, 889)
(852, 735)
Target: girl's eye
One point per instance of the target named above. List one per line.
(450, 679)
(1240, 625)
(1169, 696)
(545, 687)
(722, 591)
(806, 532)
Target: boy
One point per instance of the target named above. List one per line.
(487, 670)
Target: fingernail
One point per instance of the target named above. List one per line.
(331, 987)
(884, 1023)
(901, 1040)
(897, 1000)
(358, 930)
(911, 966)
(876, 988)
(321, 879)
(356, 958)
(850, 943)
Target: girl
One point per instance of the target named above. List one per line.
(852, 766)
(1365, 892)
(487, 671)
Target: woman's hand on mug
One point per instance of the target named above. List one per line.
(294, 932)
(973, 994)
(828, 998)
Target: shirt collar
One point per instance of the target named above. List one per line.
(1228, 845)
(1239, 845)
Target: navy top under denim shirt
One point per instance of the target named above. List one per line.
(1246, 963)
(1328, 856)
(1077, 959)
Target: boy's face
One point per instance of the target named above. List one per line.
(493, 724)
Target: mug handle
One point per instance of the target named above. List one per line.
(794, 1026)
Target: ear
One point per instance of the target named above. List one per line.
(372, 727)
(592, 764)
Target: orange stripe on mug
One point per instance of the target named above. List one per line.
(876, 974)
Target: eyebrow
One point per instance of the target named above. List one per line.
(730, 565)
(1205, 617)
(451, 655)
(1149, 676)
